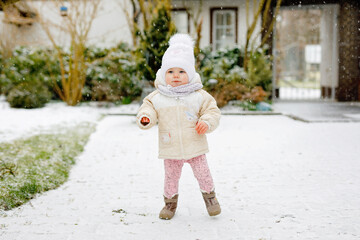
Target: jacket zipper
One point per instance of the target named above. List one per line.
(179, 127)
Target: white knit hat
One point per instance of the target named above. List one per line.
(180, 53)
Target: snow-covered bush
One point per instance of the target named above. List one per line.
(225, 91)
(259, 71)
(234, 83)
(154, 42)
(29, 95)
(111, 75)
(29, 65)
(228, 64)
(220, 64)
(27, 77)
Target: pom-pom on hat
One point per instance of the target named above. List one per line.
(180, 53)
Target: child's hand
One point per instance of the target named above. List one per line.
(201, 127)
(145, 121)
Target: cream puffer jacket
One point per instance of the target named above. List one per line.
(177, 118)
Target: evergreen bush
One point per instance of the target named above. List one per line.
(260, 71)
(29, 95)
(30, 72)
(27, 79)
(234, 83)
(153, 43)
(222, 64)
(112, 75)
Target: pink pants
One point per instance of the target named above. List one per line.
(173, 172)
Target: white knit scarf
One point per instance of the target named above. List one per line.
(179, 91)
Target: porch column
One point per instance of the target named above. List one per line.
(329, 51)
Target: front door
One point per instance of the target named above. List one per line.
(306, 52)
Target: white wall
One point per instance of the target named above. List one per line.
(109, 28)
(205, 13)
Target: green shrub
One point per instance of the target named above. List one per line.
(28, 73)
(259, 70)
(29, 76)
(234, 83)
(153, 43)
(112, 75)
(28, 95)
(222, 64)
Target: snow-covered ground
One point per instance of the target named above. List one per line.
(16, 123)
(276, 178)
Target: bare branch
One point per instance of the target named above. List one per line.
(77, 23)
(271, 27)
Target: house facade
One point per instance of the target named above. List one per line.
(223, 23)
(315, 43)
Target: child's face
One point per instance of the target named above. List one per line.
(176, 77)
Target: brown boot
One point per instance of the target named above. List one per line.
(212, 205)
(170, 207)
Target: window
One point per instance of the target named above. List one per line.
(223, 27)
(181, 20)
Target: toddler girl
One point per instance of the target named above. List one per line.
(184, 113)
